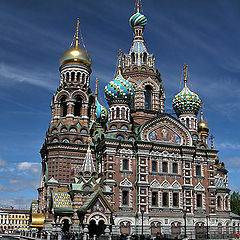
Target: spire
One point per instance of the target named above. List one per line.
(185, 72)
(88, 165)
(212, 141)
(201, 113)
(138, 6)
(77, 34)
(119, 62)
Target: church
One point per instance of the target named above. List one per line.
(131, 167)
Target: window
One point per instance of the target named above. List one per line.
(187, 122)
(198, 170)
(145, 57)
(72, 76)
(63, 106)
(219, 202)
(165, 199)
(175, 199)
(77, 106)
(117, 112)
(125, 197)
(165, 167)
(148, 97)
(125, 164)
(175, 168)
(78, 76)
(133, 58)
(154, 166)
(199, 200)
(154, 198)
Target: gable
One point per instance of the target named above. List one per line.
(165, 129)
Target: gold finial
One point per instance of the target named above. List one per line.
(185, 70)
(119, 61)
(89, 142)
(77, 34)
(96, 92)
(201, 113)
(138, 6)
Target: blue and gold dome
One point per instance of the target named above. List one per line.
(101, 113)
(186, 101)
(138, 19)
(119, 88)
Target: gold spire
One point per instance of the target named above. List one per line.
(203, 127)
(138, 6)
(185, 70)
(89, 142)
(201, 113)
(77, 34)
(119, 61)
(96, 92)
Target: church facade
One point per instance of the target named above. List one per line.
(133, 167)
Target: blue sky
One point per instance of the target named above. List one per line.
(33, 35)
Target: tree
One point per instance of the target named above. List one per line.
(235, 203)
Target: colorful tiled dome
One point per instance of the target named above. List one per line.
(101, 113)
(138, 19)
(186, 101)
(119, 88)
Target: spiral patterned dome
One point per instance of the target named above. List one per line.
(186, 102)
(138, 19)
(101, 113)
(119, 88)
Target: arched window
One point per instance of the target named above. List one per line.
(90, 107)
(219, 202)
(72, 76)
(67, 76)
(117, 112)
(127, 112)
(63, 106)
(154, 166)
(133, 58)
(83, 78)
(187, 122)
(148, 97)
(125, 164)
(78, 76)
(226, 203)
(145, 57)
(77, 106)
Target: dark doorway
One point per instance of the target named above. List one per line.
(96, 229)
(66, 225)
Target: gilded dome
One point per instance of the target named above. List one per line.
(203, 127)
(76, 55)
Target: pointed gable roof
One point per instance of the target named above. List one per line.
(88, 165)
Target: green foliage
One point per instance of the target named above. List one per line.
(235, 203)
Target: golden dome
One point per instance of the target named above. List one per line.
(203, 126)
(76, 55)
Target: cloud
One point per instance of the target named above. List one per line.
(3, 163)
(233, 161)
(229, 145)
(19, 202)
(29, 167)
(17, 74)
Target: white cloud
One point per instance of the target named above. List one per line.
(229, 145)
(3, 163)
(15, 202)
(30, 167)
(233, 162)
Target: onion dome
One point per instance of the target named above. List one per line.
(186, 101)
(203, 127)
(138, 19)
(119, 88)
(101, 113)
(76, 54)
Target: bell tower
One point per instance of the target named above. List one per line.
(139, 69)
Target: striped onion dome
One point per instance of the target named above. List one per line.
(101, 113)
(138, 19)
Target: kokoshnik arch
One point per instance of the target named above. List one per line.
(101, 166)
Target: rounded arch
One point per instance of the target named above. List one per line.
(176, 228)
(55, 140)
(63, 129)
(54, 130)
(82, 94)
(65, 218)
(97, 217)
(59, 95)
(150, 82)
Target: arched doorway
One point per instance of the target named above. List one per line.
(96, 228)
(199, 230)
(176, 228)
(66, 225)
